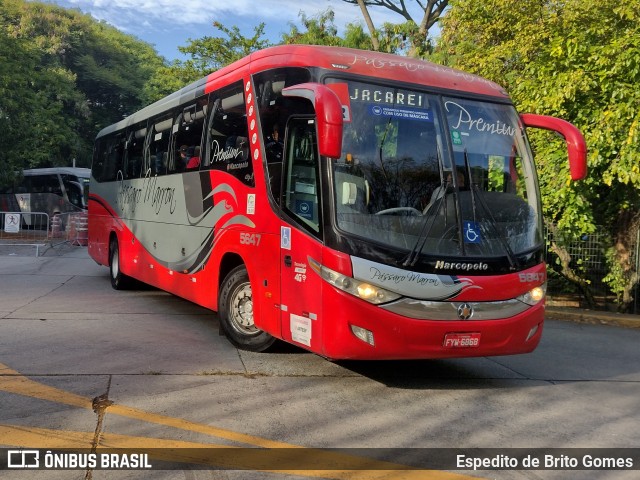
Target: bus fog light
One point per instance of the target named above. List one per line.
(532, 332)
(363, 334)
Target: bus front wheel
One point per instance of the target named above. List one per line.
(119, 281)
(236, 313)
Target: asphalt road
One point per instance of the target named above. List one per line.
(84, 366)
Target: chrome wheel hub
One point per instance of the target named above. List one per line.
(242, 310)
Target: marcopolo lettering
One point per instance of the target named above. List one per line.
(468, 266)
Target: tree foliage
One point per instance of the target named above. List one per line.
(212, 53)
(205, 55)
(63, 77)
(579, 61)
(411, 35)
(321, 29)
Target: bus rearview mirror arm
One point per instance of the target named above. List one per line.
(576, 145)
(328, 115)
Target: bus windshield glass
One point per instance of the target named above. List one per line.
(435, 175)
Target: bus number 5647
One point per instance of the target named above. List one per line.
(250, 239)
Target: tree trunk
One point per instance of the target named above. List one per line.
(627, 238)
(372, 29)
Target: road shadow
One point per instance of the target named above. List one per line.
(469, 373)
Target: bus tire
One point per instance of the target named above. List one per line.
(236, 313)
(119, 281)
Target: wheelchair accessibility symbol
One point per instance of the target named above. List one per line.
(471, 232)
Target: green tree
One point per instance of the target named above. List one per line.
(206, 55)
(81, 74)
(579, 61)
(321, 29)
(33, 98)
(209, 54)
(318, 30)
(410, 36)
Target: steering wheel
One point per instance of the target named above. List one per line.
(390, 211)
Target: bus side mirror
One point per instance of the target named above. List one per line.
(576, 146)
(328, 115)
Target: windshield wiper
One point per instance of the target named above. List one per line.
(382, 141)
(477, 193)
(426, 227)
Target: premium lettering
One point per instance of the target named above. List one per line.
(219, 154)
(465, 122)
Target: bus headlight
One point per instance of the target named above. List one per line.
(534, 296)
(363, 290)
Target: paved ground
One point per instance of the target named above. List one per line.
(83, 364)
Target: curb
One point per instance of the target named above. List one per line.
(593, 317)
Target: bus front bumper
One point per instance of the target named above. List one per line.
(367, 332)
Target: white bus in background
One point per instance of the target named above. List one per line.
(53, 191)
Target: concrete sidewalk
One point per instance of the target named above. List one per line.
(593, 317)
(45, 248)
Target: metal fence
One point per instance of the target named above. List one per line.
(588, 259)
(24, 229)
(38, 230)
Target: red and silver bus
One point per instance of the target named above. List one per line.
(357, 204)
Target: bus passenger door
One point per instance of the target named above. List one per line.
(300, 237)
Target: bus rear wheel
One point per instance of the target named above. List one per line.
(236, 313)
(119, 281)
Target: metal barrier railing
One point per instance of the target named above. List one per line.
(24, 226)
(70, 227)
(36, 229)
(24, 229)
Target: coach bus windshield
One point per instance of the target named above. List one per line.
(435, 175)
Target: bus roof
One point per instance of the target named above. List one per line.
(375, 64)
(77, 171)
(338, 59)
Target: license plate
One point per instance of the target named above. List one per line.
(461, 340)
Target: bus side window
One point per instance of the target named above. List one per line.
(274, 112)
(157, 150)
(302, 184)
(74, 192)
(135, 146)
(188, 136)
(174, 161)
(46, 184)
(99, 163)
(227, 139)
(109, 157)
